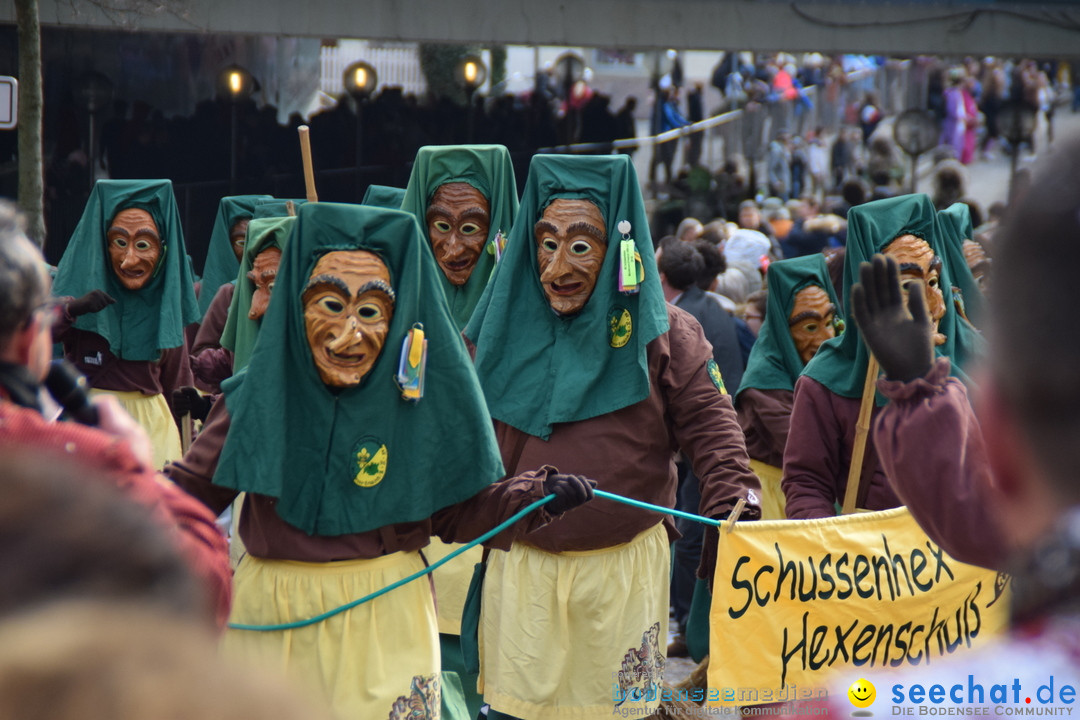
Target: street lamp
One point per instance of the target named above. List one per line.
(96, 92)
(471, 73)
(236, 84)
(359, 80)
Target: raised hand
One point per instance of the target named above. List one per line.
(900, 336)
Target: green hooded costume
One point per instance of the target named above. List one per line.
(141, 323)
(840, 364)
(383, 196)
(538, 368)
(355, 459)
(221, 263)
(240, 331)
(488, 169)
(774, 362)
(955, 223)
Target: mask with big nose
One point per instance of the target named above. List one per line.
(348, 306)
(571, 240)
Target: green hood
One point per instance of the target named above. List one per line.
(221, 264)
(240, 331)
(383, 196)
(141, 323)
(359, 458)
(488, 169)
(955, 223)
(840, 364)
(538, 368)
(774, 362)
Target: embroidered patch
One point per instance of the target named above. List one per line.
(423, 701)
(621, 326)
(714, 375)
(370, 462)
(642, 669)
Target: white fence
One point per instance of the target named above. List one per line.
(397, 64)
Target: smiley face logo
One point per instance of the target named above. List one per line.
(862, 693)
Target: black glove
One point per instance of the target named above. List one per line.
(900, 338)
(569, 491)
(188, 400)
(92, 302)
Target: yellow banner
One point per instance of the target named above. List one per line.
(795, 601)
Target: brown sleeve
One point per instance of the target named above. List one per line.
(213, 323)
(704, 424)
(767, 416)
(194, 472)
(932, 451)
(813, 458)
(497, 502)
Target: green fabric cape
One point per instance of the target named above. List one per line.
(141, 323)
(538, 368)
(240, 331)
(383, 196)
(955, 222)
(293, 438)
(840, 364)
(774, 362)
(488, 169)
(221, 263)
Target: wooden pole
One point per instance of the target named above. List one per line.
(185, 433)
(862, 432)
(309, 170)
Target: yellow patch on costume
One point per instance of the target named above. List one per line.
(715, 376)
(622, 327)
(371, 467)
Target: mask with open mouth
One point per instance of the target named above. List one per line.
(458, 220)
(571, 240)
(134, 244)
(348, 306)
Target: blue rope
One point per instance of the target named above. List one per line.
(468, 546)
(656, 508)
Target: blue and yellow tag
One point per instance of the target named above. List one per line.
(411, 365)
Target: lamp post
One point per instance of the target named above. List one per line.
(471, 73)
(1017, 123)
(237, 85)
(360, 80)
(96, 91)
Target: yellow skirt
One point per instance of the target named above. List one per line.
(576, 635)
(377, 660)
(773, 501)
(152, 412)
(451, 582)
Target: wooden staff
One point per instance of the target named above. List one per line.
(309, 170)
(185, 433)
(862, 431)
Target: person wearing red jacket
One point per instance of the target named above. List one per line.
(118, 448)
